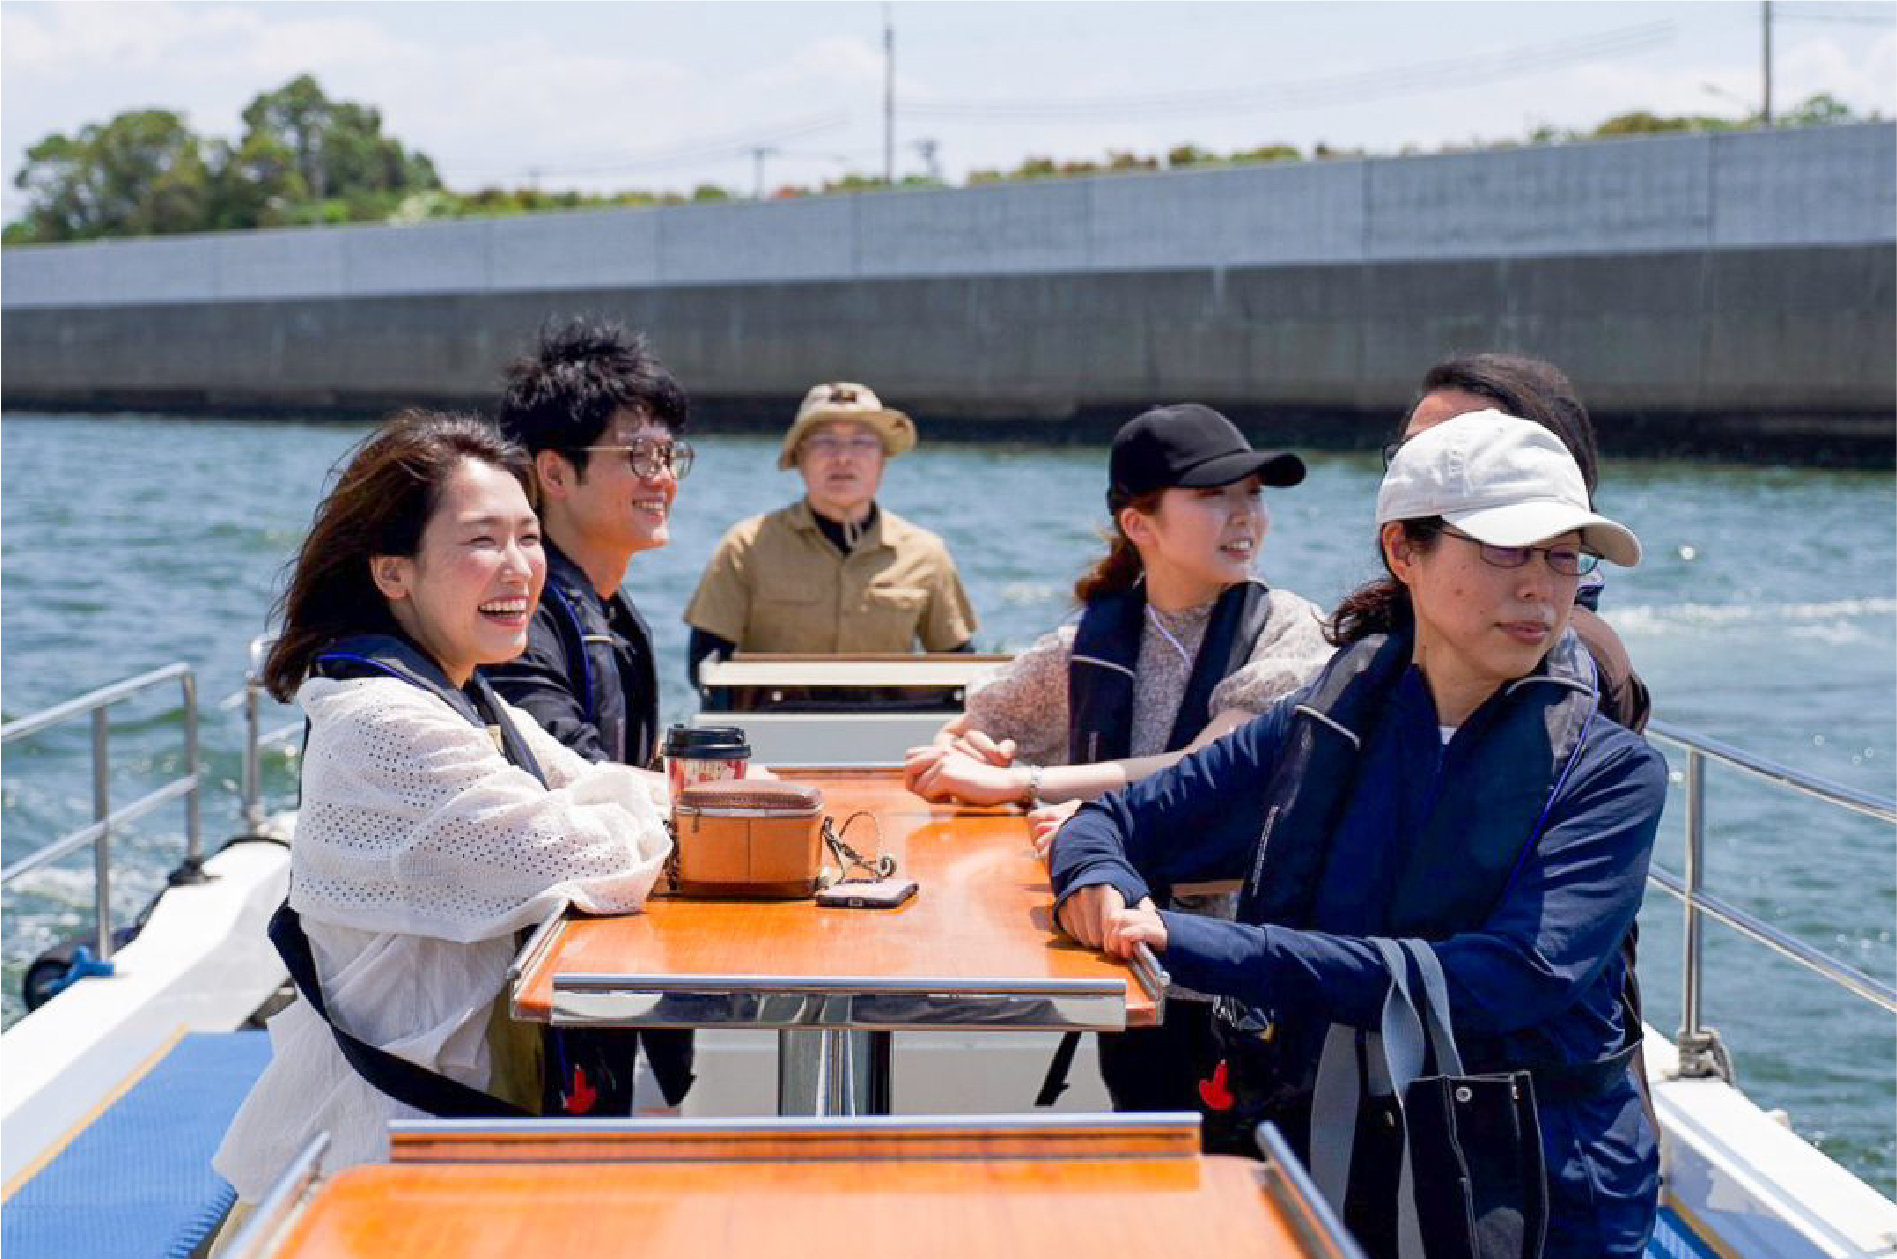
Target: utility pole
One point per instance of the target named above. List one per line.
(889, 97)
(1765, 22)
(926, 147)
(758, 153)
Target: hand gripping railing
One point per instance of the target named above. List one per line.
(106, 819)
(1701, 1053)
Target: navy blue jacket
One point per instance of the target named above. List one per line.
(1537, 982)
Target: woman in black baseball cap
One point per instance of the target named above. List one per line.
(1177, 642)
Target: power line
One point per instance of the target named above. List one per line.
(1342, 89)
(1792, 15)
(705, 148)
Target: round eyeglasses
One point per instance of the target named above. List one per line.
(1567, 561)
(648, 459)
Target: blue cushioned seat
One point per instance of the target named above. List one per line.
(137, 1183)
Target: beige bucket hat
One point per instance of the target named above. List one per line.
(841, 400)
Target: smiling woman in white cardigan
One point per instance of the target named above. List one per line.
(436, 820)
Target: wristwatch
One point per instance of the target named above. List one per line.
(1031, 797)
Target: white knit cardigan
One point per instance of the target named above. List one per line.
(419, 852)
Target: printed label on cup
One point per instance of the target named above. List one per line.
(689, 771)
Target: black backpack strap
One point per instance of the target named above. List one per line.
(399, 1078)
(1054, 1083)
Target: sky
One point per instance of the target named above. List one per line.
(666, 96)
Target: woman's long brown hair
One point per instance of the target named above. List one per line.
(379, 506)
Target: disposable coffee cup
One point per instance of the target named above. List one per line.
(702, 754)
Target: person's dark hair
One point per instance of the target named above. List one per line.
(580, 374)
(1121, 567)
(379, 505)
(1381, 606)
(1528, 388)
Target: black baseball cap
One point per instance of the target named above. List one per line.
(1193, 446)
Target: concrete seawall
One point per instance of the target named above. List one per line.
(1716, 293)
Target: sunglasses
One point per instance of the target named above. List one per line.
(648, 459)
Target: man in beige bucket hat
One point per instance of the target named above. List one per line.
(833, 572)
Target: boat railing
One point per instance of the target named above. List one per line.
(107, 820)
(256, 739)
(1701, 1052)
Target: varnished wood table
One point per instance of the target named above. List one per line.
(1135, 1187)
(973, 950)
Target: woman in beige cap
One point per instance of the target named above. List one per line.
(1444, 807)
(833, 572)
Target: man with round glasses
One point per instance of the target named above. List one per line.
(601, 417)
(833, 572)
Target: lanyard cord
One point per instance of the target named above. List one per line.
(1185, 656)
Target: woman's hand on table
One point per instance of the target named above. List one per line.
(937, 774)
(1084, 915)
(1045, 822)
(977, 746)
(1125, 929)
(959, 734)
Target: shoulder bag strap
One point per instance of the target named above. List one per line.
(1336, 1100)
(1442, 1036)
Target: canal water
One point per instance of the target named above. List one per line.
(1766, 615)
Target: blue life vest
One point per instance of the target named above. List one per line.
(1106, 651)
(1482, 825)
(388, 655)
(1445, 877)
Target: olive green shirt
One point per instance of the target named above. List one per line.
(776, 584)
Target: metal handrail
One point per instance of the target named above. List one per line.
(255, 740)
(1882, 808)
(1701, 1053)
(106, 819)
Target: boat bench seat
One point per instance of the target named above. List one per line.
(136, 1182)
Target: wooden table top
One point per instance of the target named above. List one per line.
(1130, 1208)
(983, 913)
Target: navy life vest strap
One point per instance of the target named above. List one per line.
(412, 1085)
(386, 655)
(1100, 703)
(1106, 650)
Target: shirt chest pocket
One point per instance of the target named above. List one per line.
(894, 612)
(784, 590)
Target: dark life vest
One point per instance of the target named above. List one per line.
(1482, 825)
(389, 655)
(594, 666)
(1106, 652)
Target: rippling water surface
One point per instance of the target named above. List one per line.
(1766, 615)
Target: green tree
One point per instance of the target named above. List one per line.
(141, 174)
(1641, 122)
(255, 184)
(1822, 110)
(1268, 153)
(337, 147)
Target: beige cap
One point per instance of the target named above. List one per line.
(1501, 480)
(856, 403)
